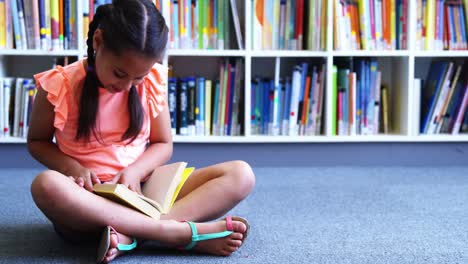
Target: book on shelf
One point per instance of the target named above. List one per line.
(441, 25)
(202, 24)
(288, 105)
(357, 97)
(159, 192)
(46, 25)
(288, 25)
(443, 96)
(16, 100)
(416, 106)
(203, 107)
(237, 26)
(370, 25)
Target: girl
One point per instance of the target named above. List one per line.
(111, 123)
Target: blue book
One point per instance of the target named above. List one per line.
(200, 107)
(442, 22)
(183, 108)
(367, 94)
(373, 67)
(454, 105)
(345, 86)
(172, 101)
(451, 19)
(312, 100)
(175, 24)
(279, 96)
(67, 25)
(16, 25)
(266, 106)
(253, 101)
(230, 98)
(216, 108)
(464, 127)
(271, 110)
(431, 91)
(287, 104)
(304, 70)
(42, 24)
(259, 105)
(462, 15)
(362, 96)
(398, 10)
(191, 104)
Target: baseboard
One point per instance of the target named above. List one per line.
(292, 154)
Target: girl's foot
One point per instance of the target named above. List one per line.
(224, 246)
(113, 252)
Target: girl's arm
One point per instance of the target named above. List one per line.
(160, 148)
(41, 147)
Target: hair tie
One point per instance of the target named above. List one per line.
(90, 68)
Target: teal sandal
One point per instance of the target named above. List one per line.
(105, 244)
(196, 237)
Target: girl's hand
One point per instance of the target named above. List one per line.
(129, 178)
(84, 178)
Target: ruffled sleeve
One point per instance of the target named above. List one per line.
(56, 84)
(156, 89)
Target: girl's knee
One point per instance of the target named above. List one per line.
(244, 177)
(45, 186)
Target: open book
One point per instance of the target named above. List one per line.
(159, 191)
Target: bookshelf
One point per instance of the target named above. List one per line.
(399, 68)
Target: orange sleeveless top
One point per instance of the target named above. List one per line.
(111, 155)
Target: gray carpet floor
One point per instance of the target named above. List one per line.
(298, 215)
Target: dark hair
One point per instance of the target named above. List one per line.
(126, 24)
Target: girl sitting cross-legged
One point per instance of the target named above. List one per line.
(109, 116)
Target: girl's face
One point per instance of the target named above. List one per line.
(119, 73)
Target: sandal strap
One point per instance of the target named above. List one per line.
(124, 247)
(196, 237)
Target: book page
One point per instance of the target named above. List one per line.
(163, 182)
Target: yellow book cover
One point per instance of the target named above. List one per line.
(3, 25)
(385, 110)
(430, 24)
(363, 24)
(393, 24)
(159, 191)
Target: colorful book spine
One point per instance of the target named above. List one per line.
(257, 31)
(208, 108)
(430, 24)
(183, 108)
(220, 18)
(35, 25)
(200, 107)
(48, 23)
(175, 24)
(461, 112)
(365, 40)
(267, 29)
(334, 95)
(55, 21)
(16, 26)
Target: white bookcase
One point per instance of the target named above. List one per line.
(398, 67)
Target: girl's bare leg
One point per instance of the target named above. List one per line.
(70, 206)
(212, 191)
(209, 193)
